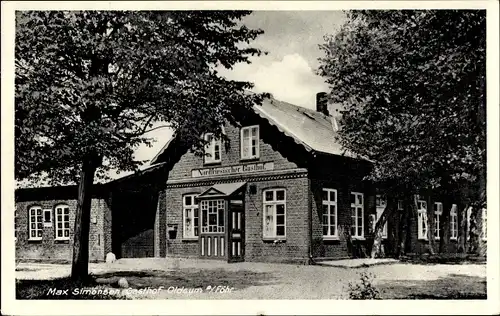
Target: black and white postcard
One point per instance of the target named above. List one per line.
(250, 157)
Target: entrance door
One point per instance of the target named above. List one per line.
(212, 236)
(236, 230)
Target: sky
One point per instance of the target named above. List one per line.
(291, 39)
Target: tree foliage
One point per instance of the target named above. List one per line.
(412, 86)
(90, 84)
(95, 82)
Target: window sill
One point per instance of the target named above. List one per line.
(190, 239)
(249, 159)
(35, 240)
(212, 163)
(358, 238)
(331, 238)
(420, 238)
(277, 240)
(61, 241)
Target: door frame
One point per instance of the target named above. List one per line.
(239, 194)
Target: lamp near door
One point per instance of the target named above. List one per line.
(172, 231)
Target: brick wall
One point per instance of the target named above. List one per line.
(268, 152)
(272, 148)
(50, 249)
(296, 246)
(294, 249)
(345, 176)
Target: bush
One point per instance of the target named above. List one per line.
(364, 290)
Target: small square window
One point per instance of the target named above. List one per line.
(47, 217)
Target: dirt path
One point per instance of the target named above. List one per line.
(178, 278)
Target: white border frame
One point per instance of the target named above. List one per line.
(249, 307)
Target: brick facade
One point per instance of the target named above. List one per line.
(135, 217)
(286, 174)
(48, 248)
(344, 176)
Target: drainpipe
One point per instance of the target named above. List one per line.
(309, 219)
(309, 213)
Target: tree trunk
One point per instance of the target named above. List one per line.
(477, 244)
(445, 225)
(377, 239)
(403, 225)
(463, 231)
(430, 225)
(481, 247)
(80, 264)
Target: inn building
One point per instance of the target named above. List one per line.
(280, 190)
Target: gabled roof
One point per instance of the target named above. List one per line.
(222, 190)
(315, 131)
(312, 129)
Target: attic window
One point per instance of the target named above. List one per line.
(249, 141)
(212, 149)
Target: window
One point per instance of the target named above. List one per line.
(36, 223)
(380, 203)
(62, 222)
(274, 213)
(438, 211)
(250, 142)
(191, 216)
(453, 222)
(485, 225)
(47, 217)
(212, 149)
(422, 219)
(212, 216)
(357, 210)
(329, 213)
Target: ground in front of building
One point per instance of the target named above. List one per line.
(171, 278)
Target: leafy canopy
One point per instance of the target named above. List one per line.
(93, 82)
(412, 88)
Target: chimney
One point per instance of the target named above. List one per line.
(322, 103)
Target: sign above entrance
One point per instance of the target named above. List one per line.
(238, 169)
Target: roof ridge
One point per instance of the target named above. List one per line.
(298, 107)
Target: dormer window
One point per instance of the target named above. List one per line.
(212, 149)
(250, 142)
